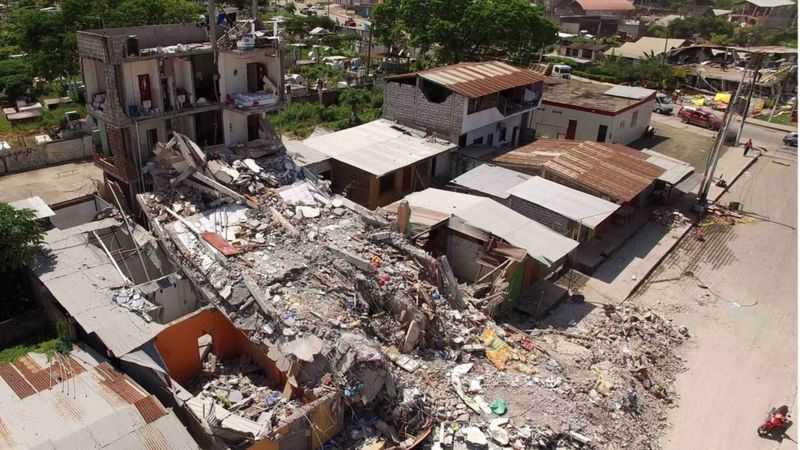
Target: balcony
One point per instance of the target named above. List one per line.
(508, 106)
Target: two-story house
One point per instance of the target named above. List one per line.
(476, 103)
(143, 83)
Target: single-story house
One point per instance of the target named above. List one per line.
(645, 46)
(613, 172)
(479, 235)
(678, 175)
(583, 52)
(568, 211)
(573, 109)
(593, 7)
(380, 161)
(770, 13)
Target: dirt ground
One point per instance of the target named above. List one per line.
(737, 294)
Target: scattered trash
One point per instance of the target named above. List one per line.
(498, 407)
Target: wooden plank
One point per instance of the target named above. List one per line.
(219, 243)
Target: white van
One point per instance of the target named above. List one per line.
(561, 71)
(663, 104)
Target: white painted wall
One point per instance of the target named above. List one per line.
(229, 63)
(131, 72)
(509, 123)
(183, 76)
(235, 127)
(552, 121)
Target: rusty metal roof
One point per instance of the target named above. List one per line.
(80, 401)
(611, 170)
(605, 5)
(476, 79)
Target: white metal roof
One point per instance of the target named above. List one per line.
(644, 46)
(378, 147)
(491, 180)
(770, 3)
(632, 92)
(676, 170)
(81, 277)
(36, 204)
(87, 410)
(541, 243)
(306, 156)
(579, 206)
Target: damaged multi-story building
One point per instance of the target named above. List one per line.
(214, 84)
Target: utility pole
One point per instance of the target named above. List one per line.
(369, 50)
(759, 60)
(713, 157)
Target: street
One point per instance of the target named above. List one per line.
(736, 292)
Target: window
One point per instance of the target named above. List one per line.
(634, 118)
(622, 124)
(386, 183)
(478, 141)
(490, 139)
(479, 104)
(502, 135)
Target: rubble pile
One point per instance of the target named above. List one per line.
(242, 387)
(339, 292)
(671, 218)
(721, 215)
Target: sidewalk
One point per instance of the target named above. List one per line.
(774, 126)
(618, 277)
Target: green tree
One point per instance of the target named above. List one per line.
(462, 30)
(21, 237)
(353, 98)
(16, 78)
(153, 12)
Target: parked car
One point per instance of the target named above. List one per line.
(663, 104)
(561, 71)
(700, 117)
(790, 139)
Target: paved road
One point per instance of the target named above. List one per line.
(761, 136)
(742, 359)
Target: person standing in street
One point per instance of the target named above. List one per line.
(747, 146)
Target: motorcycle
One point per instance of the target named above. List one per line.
(777, 422)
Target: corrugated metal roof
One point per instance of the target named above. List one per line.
(476, 79)
(605, 5)
(579, 206)
(611, 170)
(36, 204)
(81, 278)
(632, 92)
(378, 147)
(770, 3)
(645, 46)
(541, 243)
(490, 180)
(76, 413)
(676, 170)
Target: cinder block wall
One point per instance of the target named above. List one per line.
(544, 216)
(342, 175)
(407, 105)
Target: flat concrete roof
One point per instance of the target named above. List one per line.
(586, 95)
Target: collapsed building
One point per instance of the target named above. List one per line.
(308, 320)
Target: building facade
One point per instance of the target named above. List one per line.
(487, 103)
(143, 83)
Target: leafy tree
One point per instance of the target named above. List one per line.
(153, 12)
(461, 30)
(16, 78)
(353, 98)
(704, 27)
(302, 25)
(20, 237)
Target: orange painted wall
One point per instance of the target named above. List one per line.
(178, 346)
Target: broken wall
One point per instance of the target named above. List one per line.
(179, 349)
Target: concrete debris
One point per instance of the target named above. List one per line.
(670, 219)
(344, 301)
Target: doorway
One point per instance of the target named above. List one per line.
(602, 131)
(253, 125)
(144, 88)
(573, 124)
